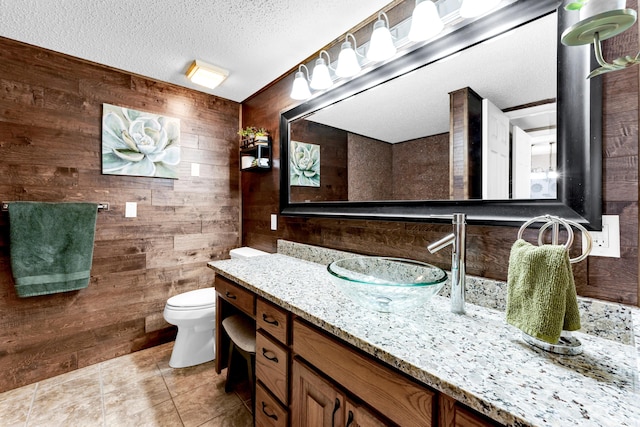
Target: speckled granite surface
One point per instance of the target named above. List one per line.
(476, 358)
(601, 318)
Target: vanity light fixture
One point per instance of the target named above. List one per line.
(321, 77)
(474, 8)
(300, 89)
(206, 75)
(348, 64)
(381, 45)
(425, 21)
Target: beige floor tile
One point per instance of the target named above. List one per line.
(161, 353)
(15, 404)
(205, 403)
(237, 417)
(139, 390)
(88, 371)
(49, 413)
(77, 389)
(161, 415)
(117, 373)
(136, 396)
(183, 380)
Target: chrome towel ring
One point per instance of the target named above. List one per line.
(555, 222)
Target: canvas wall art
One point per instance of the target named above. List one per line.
(138, 143)
(304, 164)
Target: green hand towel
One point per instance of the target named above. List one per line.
(541, 293)
(51, 246)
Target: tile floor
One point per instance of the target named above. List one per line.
(139, 389)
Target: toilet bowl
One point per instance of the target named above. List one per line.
(194, 313)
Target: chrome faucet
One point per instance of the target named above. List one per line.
(458, 260)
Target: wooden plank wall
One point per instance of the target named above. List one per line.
(614, 279)
(50, 141)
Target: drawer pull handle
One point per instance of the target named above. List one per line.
(349, 419)
(269, 320)
(336, 406)
(273, 358)
(264, 410)
(230, 295)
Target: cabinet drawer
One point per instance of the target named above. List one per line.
(273, 319)
(238, 296)
(269, 412)
(395, 396)
(272, 363)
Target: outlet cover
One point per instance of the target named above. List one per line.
(606, 242)
(274, 222)
(195, 169)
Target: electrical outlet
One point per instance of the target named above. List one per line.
(195, 169)
(606, 242)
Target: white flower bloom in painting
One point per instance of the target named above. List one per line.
(305, 164)
(140, 144)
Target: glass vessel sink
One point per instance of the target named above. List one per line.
(387, 284)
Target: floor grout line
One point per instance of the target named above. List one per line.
(104, 411)
(33, 400)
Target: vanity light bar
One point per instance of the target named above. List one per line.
(423, 25)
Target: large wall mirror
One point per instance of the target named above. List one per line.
(494, 119)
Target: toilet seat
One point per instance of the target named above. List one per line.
(193, 300)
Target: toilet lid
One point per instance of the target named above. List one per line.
(199, 298)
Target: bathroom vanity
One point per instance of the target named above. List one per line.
(319, 356)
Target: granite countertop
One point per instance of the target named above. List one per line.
(476, 358)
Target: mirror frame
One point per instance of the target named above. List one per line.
(579, 133)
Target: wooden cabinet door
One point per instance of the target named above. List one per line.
(359, 416)
(315, 402)
(454, 414)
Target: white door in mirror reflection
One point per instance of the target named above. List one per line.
(495, 152)
(521, 148)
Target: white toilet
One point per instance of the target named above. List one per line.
(194, 313)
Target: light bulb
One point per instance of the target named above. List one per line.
(348, 64)
(425, 21)
(300, 89)
(321, 79)
(381, 45)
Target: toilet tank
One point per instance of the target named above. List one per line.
(245, 252)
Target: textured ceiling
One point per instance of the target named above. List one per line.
(257, 41)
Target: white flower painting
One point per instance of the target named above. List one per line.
(139, 144)
(305, 164)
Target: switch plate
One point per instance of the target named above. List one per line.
(195, 169)
(274, 222)
(606, 242)
(130, 209)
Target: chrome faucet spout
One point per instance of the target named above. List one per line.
(458, 260)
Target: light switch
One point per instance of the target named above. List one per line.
(195, 169)
(274, 222)
(130, 210)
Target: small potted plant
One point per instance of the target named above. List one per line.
(262, 135)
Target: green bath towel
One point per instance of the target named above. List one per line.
(51, 246)
(541, 295)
